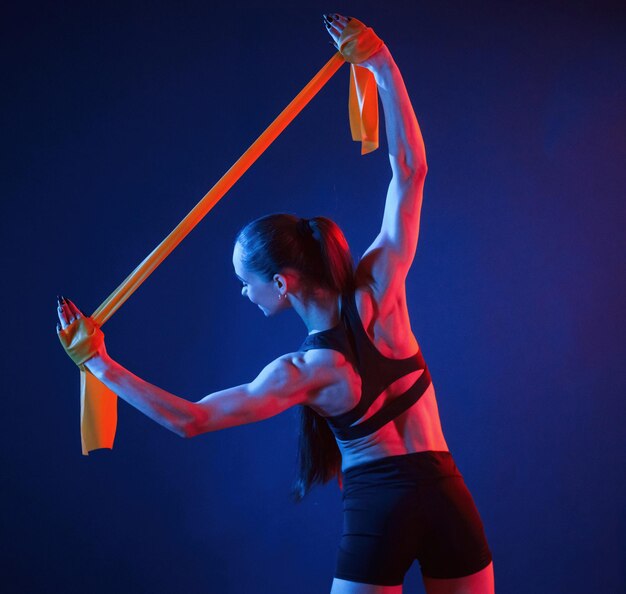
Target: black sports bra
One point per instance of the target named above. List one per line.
(377, 373)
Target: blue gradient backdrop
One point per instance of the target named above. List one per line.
(118, 117)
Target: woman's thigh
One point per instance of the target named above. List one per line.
(480, 582)
(347, 587)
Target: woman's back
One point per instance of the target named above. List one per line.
(385, 325)
(380, 295)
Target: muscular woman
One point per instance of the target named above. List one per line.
(368, 409)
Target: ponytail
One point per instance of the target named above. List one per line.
(337, 268)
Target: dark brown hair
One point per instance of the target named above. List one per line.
(317, 249)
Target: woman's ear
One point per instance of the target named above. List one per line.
(280, 281)
(288, 280)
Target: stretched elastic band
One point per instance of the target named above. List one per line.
(99, 403)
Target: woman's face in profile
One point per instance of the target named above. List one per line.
(262, 293)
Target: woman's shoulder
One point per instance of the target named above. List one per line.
(385, 319)
(319, 359)
(329, 374)
(328, 365)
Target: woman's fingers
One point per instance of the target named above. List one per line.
(76, 313)
(67, 313)
(328, 23)
(334, 26)
(61, 313)
(340, 18)
(334, 32)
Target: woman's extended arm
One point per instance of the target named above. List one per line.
(285, 382)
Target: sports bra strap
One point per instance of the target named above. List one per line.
(390, 411)
(377, 373)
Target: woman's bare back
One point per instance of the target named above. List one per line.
(418, 429)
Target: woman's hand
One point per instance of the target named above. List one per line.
(335, 24)
(365, 40)
(81, 338)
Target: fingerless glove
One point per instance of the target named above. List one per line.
(358, 42)
(81, 340)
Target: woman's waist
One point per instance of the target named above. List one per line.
(404, 471)
(392, 440)
(426, 462)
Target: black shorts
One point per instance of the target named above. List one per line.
(401, 508)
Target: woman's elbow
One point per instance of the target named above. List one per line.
(409, 170)
(417, 169)
(188, 432)
(198, 425)
(193, 431)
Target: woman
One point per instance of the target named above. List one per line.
(369, 413)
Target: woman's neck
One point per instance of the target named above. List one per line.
(319, 312)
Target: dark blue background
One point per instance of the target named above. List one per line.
(118, 117)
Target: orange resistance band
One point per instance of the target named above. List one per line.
(98, 419)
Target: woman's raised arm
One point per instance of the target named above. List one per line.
(404, 138)
(389, 258)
